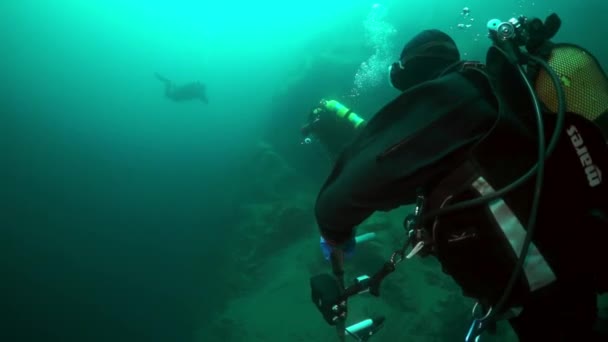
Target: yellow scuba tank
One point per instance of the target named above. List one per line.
(584, 82)
(332, 124)
(343, 112)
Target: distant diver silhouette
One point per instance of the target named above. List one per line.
(190, 91)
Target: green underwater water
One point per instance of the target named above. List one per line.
(127, 217)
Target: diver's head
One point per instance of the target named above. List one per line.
(423, 58)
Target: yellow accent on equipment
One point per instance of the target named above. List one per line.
(343, 112)
(585, 83)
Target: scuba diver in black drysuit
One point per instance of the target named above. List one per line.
(456, 142)
(186, 92)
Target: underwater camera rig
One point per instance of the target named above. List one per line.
(525, 45)
(330, 296)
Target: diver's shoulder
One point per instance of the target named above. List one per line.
(454, 86)
(473, 81)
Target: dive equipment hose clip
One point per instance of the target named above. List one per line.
(417, 236)
(478, 324)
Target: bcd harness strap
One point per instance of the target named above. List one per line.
(537, 271)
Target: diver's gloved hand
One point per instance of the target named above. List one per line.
(348, 247)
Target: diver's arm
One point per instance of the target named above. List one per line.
(354, 195)
(362, 183)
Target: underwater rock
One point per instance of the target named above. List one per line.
(375, 223)
(266, 227)
(266, 176)
(326, 63)
(223, 329)
(273, 208)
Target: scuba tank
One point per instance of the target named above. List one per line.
(343, 112)
(560, 78)
(333, 125)
(583, 79)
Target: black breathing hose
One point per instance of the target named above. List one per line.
(552, 144)
(539, 168)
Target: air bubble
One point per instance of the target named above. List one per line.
(379, 35)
